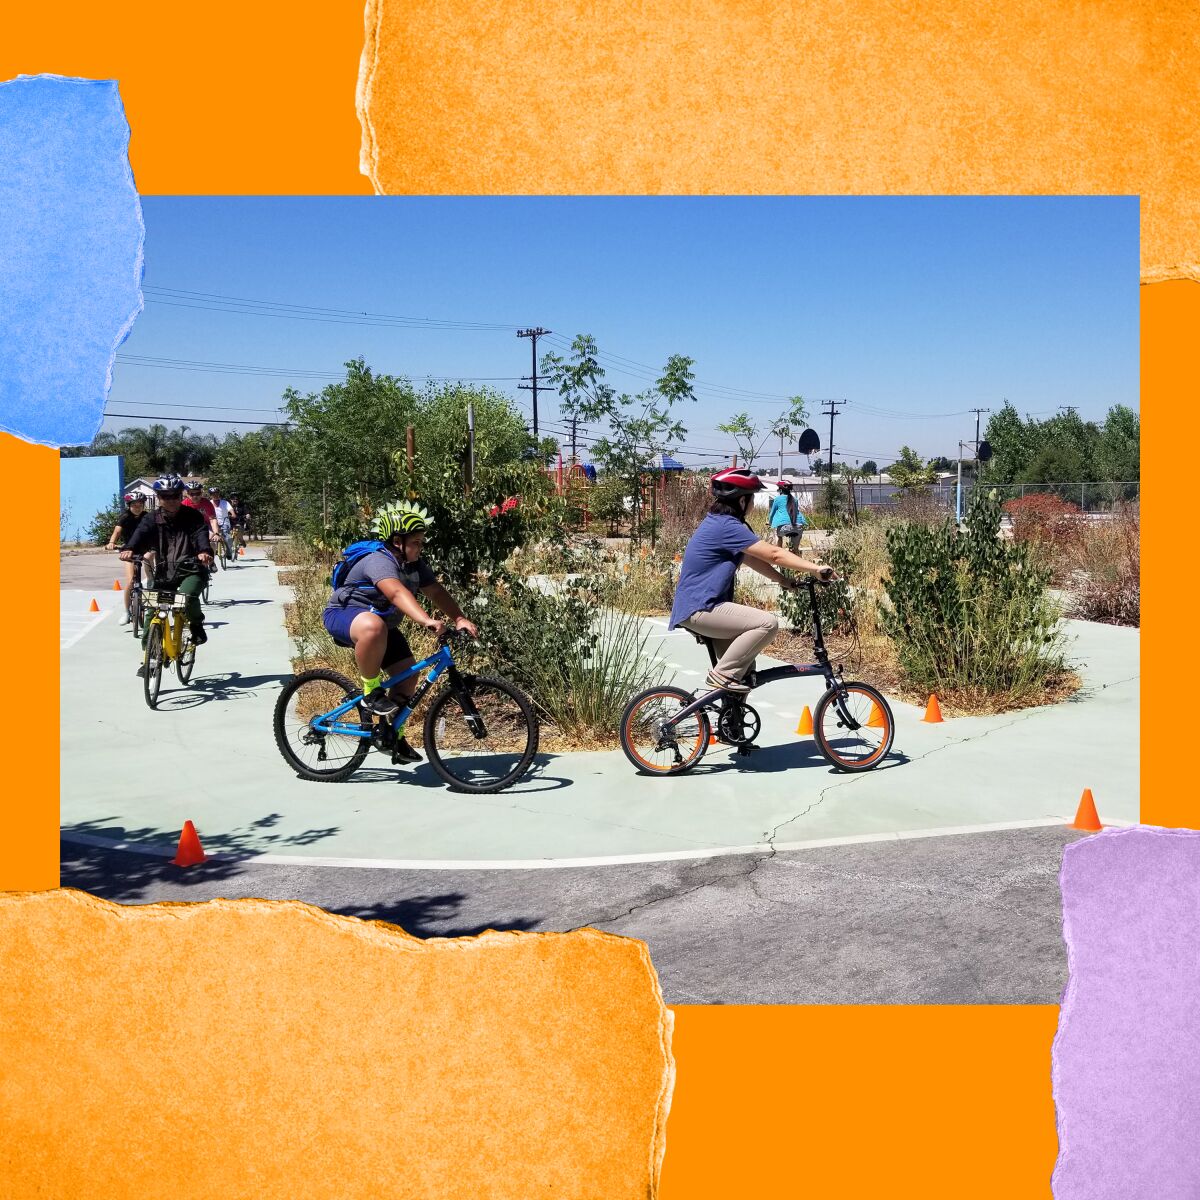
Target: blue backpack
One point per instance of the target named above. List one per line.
(352, 554)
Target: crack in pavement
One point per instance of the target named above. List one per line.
(771, 851)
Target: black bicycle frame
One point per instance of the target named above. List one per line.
(772, 674)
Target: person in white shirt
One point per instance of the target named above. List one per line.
(224, 512)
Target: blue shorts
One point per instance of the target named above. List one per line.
(337, 621)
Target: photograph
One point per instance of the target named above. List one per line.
(758, 577)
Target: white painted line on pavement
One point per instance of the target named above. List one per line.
(533, 864)
(96, 618)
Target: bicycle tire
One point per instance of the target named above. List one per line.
(136, 613)
(839, 760)
(185, 663)
(221, 554)
(437, 736)
(152, 663)
(628, 732)
(337, 687)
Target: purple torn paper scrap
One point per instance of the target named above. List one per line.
(71, 237)
(1126, 1069)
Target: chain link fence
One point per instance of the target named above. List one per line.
(1092, 498)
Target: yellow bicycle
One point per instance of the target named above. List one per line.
(168, 641)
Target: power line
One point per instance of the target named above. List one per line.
(185, 364)
(220, 303)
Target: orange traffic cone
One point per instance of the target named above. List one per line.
(116, 585)
(241, 552)
(1087, 818)
(93, 607)
(190, 851)
(933, 710)
(876, 721)
(805, 726)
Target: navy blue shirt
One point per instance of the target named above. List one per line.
(709, 564)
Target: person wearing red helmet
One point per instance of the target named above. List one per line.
(704, 595)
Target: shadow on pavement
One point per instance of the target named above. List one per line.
(429, 916)
(125, 877)
(214, 687)
(793, 756)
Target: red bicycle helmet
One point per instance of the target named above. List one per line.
(733, 481)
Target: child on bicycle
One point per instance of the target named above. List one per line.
(378, 590)
(704, 596)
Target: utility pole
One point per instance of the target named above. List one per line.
(977, 412)
(1069, 409)
(831, 410)
(533, 335)
(470, 445)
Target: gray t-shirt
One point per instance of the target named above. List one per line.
(360, 591)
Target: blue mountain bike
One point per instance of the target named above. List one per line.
(480, 733)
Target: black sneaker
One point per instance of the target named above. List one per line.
(404, 753)
(198, 634)
(381, 704)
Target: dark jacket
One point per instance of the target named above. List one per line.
(172, 538)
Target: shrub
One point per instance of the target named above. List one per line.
(578, 669)
(1103, 569)
(102, 523)
(1045, 522)
(970, 612)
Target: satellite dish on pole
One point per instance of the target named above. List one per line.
(983, 452)
(810, 442)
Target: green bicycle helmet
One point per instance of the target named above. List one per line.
(400, 518)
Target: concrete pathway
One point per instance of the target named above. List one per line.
(132, 776)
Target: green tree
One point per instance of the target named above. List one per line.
(638, 427)
(910, 471)
(1013, 443)
(869, 468)
(1118, 449)
(253, 466)
(745, 437)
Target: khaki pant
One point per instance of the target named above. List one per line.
(738, 632)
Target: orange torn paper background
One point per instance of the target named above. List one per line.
(215, 1050)
(826, 98)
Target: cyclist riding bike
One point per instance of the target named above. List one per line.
(178, 536)
(785, 518)
(375, 592)
(196, 499)
(241, 519)
(224, 514)
(123, 530)
(704, 595)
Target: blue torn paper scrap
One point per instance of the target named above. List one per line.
(71, 237)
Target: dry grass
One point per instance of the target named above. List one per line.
(873, 660)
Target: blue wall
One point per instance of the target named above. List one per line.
(86, 486)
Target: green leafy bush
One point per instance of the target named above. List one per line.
(578, 667)
(970, 612)
(102, 523)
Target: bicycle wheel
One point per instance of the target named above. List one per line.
(845, 747)
(641, 732)
(152, 664)
(312, 754)
(136, 612)
(221, 552)
(481, 735)
(186, 661)
(207, 588)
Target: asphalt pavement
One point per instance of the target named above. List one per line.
(767, 880)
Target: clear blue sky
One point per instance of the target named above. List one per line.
(905, 308)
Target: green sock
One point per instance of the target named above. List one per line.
(369, 685)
